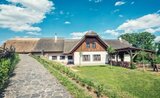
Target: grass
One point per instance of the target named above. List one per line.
(75, 91)
(123, 83)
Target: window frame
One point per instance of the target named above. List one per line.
(96, 58)
(94, 44)
(55, 57)
(87, 44)
(70, 58)
(62, 57)
(84, 58)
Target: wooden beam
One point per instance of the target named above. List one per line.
(117, 57)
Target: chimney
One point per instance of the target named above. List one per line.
(55, 38)
(4, 45)
(120, 39)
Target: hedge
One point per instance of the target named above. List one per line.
(84, 82)
(7, 65)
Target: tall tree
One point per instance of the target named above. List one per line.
(110, 50)
(140, 40)
(143, 55)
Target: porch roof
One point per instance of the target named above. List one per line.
(133, 49)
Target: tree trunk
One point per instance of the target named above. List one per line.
(143, 63)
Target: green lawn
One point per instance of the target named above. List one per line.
(122, 82)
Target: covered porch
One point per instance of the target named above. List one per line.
(125, 56)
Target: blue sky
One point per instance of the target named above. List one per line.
(72, 18)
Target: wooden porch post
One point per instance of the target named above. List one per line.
(4, 46)
(117, 58)
(131, 56)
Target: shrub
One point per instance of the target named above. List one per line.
(100, 89)
(133, 66)
(69, 73)
(157, 60)
(72, 87)
(7, 65)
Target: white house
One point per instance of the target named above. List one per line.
(91, 49)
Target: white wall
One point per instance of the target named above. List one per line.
(127, 58)
(78, 60)
(114, 59)
(49, 55)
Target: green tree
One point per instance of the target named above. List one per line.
(143, 55)
(110, 50)
(157, 48)
(131, 38)
(140, 40)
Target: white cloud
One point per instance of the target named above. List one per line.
(116, 10)
(95, 1)
(150, 30)
(98, 1)
(119, 3)
(150, 22)
(153, 30)
(33, 33)
(61, 12)
(78, 35)
(112, 32)
(157, 39)
(132, 2)
(120, 16)
(23, 17)
(158, 11)
(67, 22)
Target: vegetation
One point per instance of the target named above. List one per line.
(121, 82)
(57, 69)
(110, 50)
(7, 65)
(142, 40)
(157, 60)
(157, 47)
(142, 54)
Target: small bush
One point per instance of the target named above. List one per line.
(100, 89)
(7, 66)
(157, 60)
(56, 69)
(133, 66)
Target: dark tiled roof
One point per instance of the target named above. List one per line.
(61, 45)
(49, 44)
(69, 44)
(117, 44)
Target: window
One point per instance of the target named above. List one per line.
(93, 44)
(87, 44)
(70, 57)
(54, 57)
(62, 57)
(97, 57)
(86, 57)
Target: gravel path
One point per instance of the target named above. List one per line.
(32, 80)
